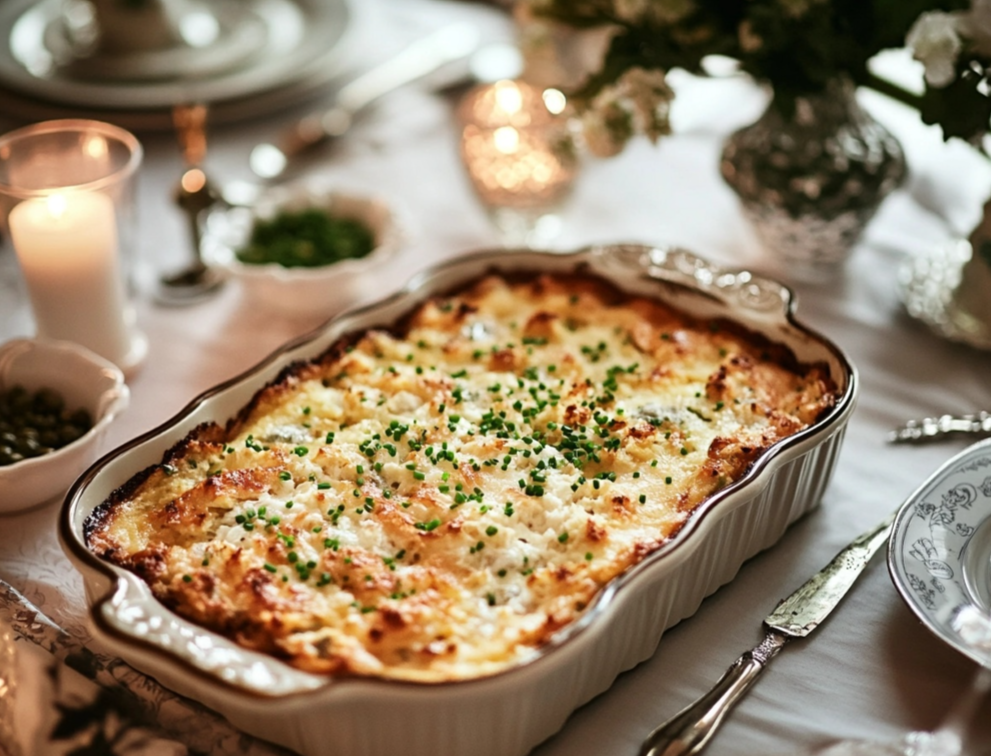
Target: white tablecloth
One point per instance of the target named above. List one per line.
(872, 670)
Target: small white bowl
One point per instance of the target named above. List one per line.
(85, 381)
(322, 290)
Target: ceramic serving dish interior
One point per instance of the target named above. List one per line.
(84, 380)
(309, 291)
(508, 713)
(939, 554)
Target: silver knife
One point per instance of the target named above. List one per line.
(426, 55)
(690, 730)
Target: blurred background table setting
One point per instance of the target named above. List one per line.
(802, 142)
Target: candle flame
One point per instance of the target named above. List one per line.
(96, 146)
(508, 96)
(506, 140)
(56, 205)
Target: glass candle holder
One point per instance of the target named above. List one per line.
(67, 200)
(520, 157)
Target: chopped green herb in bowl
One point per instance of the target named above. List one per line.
(305, 250)
(307, 238)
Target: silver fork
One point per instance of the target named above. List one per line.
(194, 195)
(936, 428)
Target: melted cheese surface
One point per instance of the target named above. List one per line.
(435, 505)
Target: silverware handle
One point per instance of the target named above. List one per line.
(935, 428)
(420, 58)
(689, 731)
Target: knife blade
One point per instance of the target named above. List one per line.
(689, 731)
(422, 57)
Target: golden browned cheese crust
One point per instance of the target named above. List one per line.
(434, 503)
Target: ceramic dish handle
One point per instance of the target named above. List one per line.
(130, 613)
(741, 289)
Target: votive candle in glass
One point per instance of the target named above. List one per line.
(67, 192)
(520, 157)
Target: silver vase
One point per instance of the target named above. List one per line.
(811, 176)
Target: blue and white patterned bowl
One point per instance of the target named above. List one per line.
(939, 555)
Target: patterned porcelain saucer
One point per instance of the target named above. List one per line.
(939, 555)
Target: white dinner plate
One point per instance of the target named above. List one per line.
(939, 555)
(300, 47)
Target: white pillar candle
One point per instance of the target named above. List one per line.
(66, 244)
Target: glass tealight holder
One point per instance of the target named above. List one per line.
(67, 202)
(519, 154)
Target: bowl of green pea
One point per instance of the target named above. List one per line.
(304, 248)
(56, 401)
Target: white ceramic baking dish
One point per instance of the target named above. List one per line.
(509, 713)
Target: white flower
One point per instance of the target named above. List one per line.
(935, 41)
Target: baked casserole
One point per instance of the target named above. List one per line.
(435, 501)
